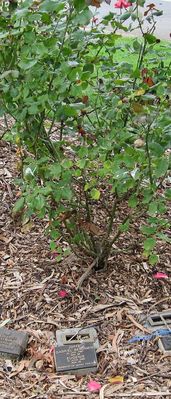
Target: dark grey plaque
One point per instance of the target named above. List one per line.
(165, 344)
(76, 357)
(12, 343)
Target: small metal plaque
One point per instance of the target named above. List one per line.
(76, 358)
(165, 344)
(12, 343)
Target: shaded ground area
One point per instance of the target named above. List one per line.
(113, 300)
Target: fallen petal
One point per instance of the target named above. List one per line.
(63, 294)
(94, 386)
(52, 349)
(54, 254)
(160, 275)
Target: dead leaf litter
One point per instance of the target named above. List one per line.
(32, 299)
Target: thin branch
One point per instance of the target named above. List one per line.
(3, 134)
(112, 217)
(148, 155)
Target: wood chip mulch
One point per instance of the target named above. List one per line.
(114, 301)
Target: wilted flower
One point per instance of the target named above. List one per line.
(95, 20)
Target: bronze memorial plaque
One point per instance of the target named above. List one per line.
(76, 358)
(12, 343)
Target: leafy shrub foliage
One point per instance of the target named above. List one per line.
(92, 129)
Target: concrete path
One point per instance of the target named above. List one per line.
(163, 29)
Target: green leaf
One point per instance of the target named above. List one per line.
(95, 194)
(52, 245)
(87, 186)
(13, 73)
(46, 19)
(168, 193)
(151, 39)
(59, 258)
(27, 64)
(156, 149)
(55, 170)
(39, 202)
(125, 226)
(33, 110)
(136, 45)
(67, 163)
(149, 244)
(81, 164)
(67, 111)
(21, 13)
(66, 193)
(148, 230)
(163, 237)
(88, 68)
(54, 234)
(19, 205)
(125, 16)
(79, 4)
(133, 201)
(153, 259)
(158, 13)
(83, 17)
(51, 6)
(162, 167)
(153, 208)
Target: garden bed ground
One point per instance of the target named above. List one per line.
(113, 300)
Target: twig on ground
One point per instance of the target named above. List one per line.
(86, 274)
(138, 325)
(54, 323)
(120, 395)
(140, 394)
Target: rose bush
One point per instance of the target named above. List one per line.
(92, 131)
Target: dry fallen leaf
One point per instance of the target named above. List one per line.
(114, 341)
(91, 228)
(27, 227)
(149, 81)
(112, 388)
(139, 143)
(22, 365)
(64, 279)
(3, 238)
(139, 92)
(4, 322)
(116, 380)
(39, 364)
(138, 325)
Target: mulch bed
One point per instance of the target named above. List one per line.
(114, 301)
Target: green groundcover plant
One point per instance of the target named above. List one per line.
(93, 132)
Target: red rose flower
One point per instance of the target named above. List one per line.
(122, 4)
